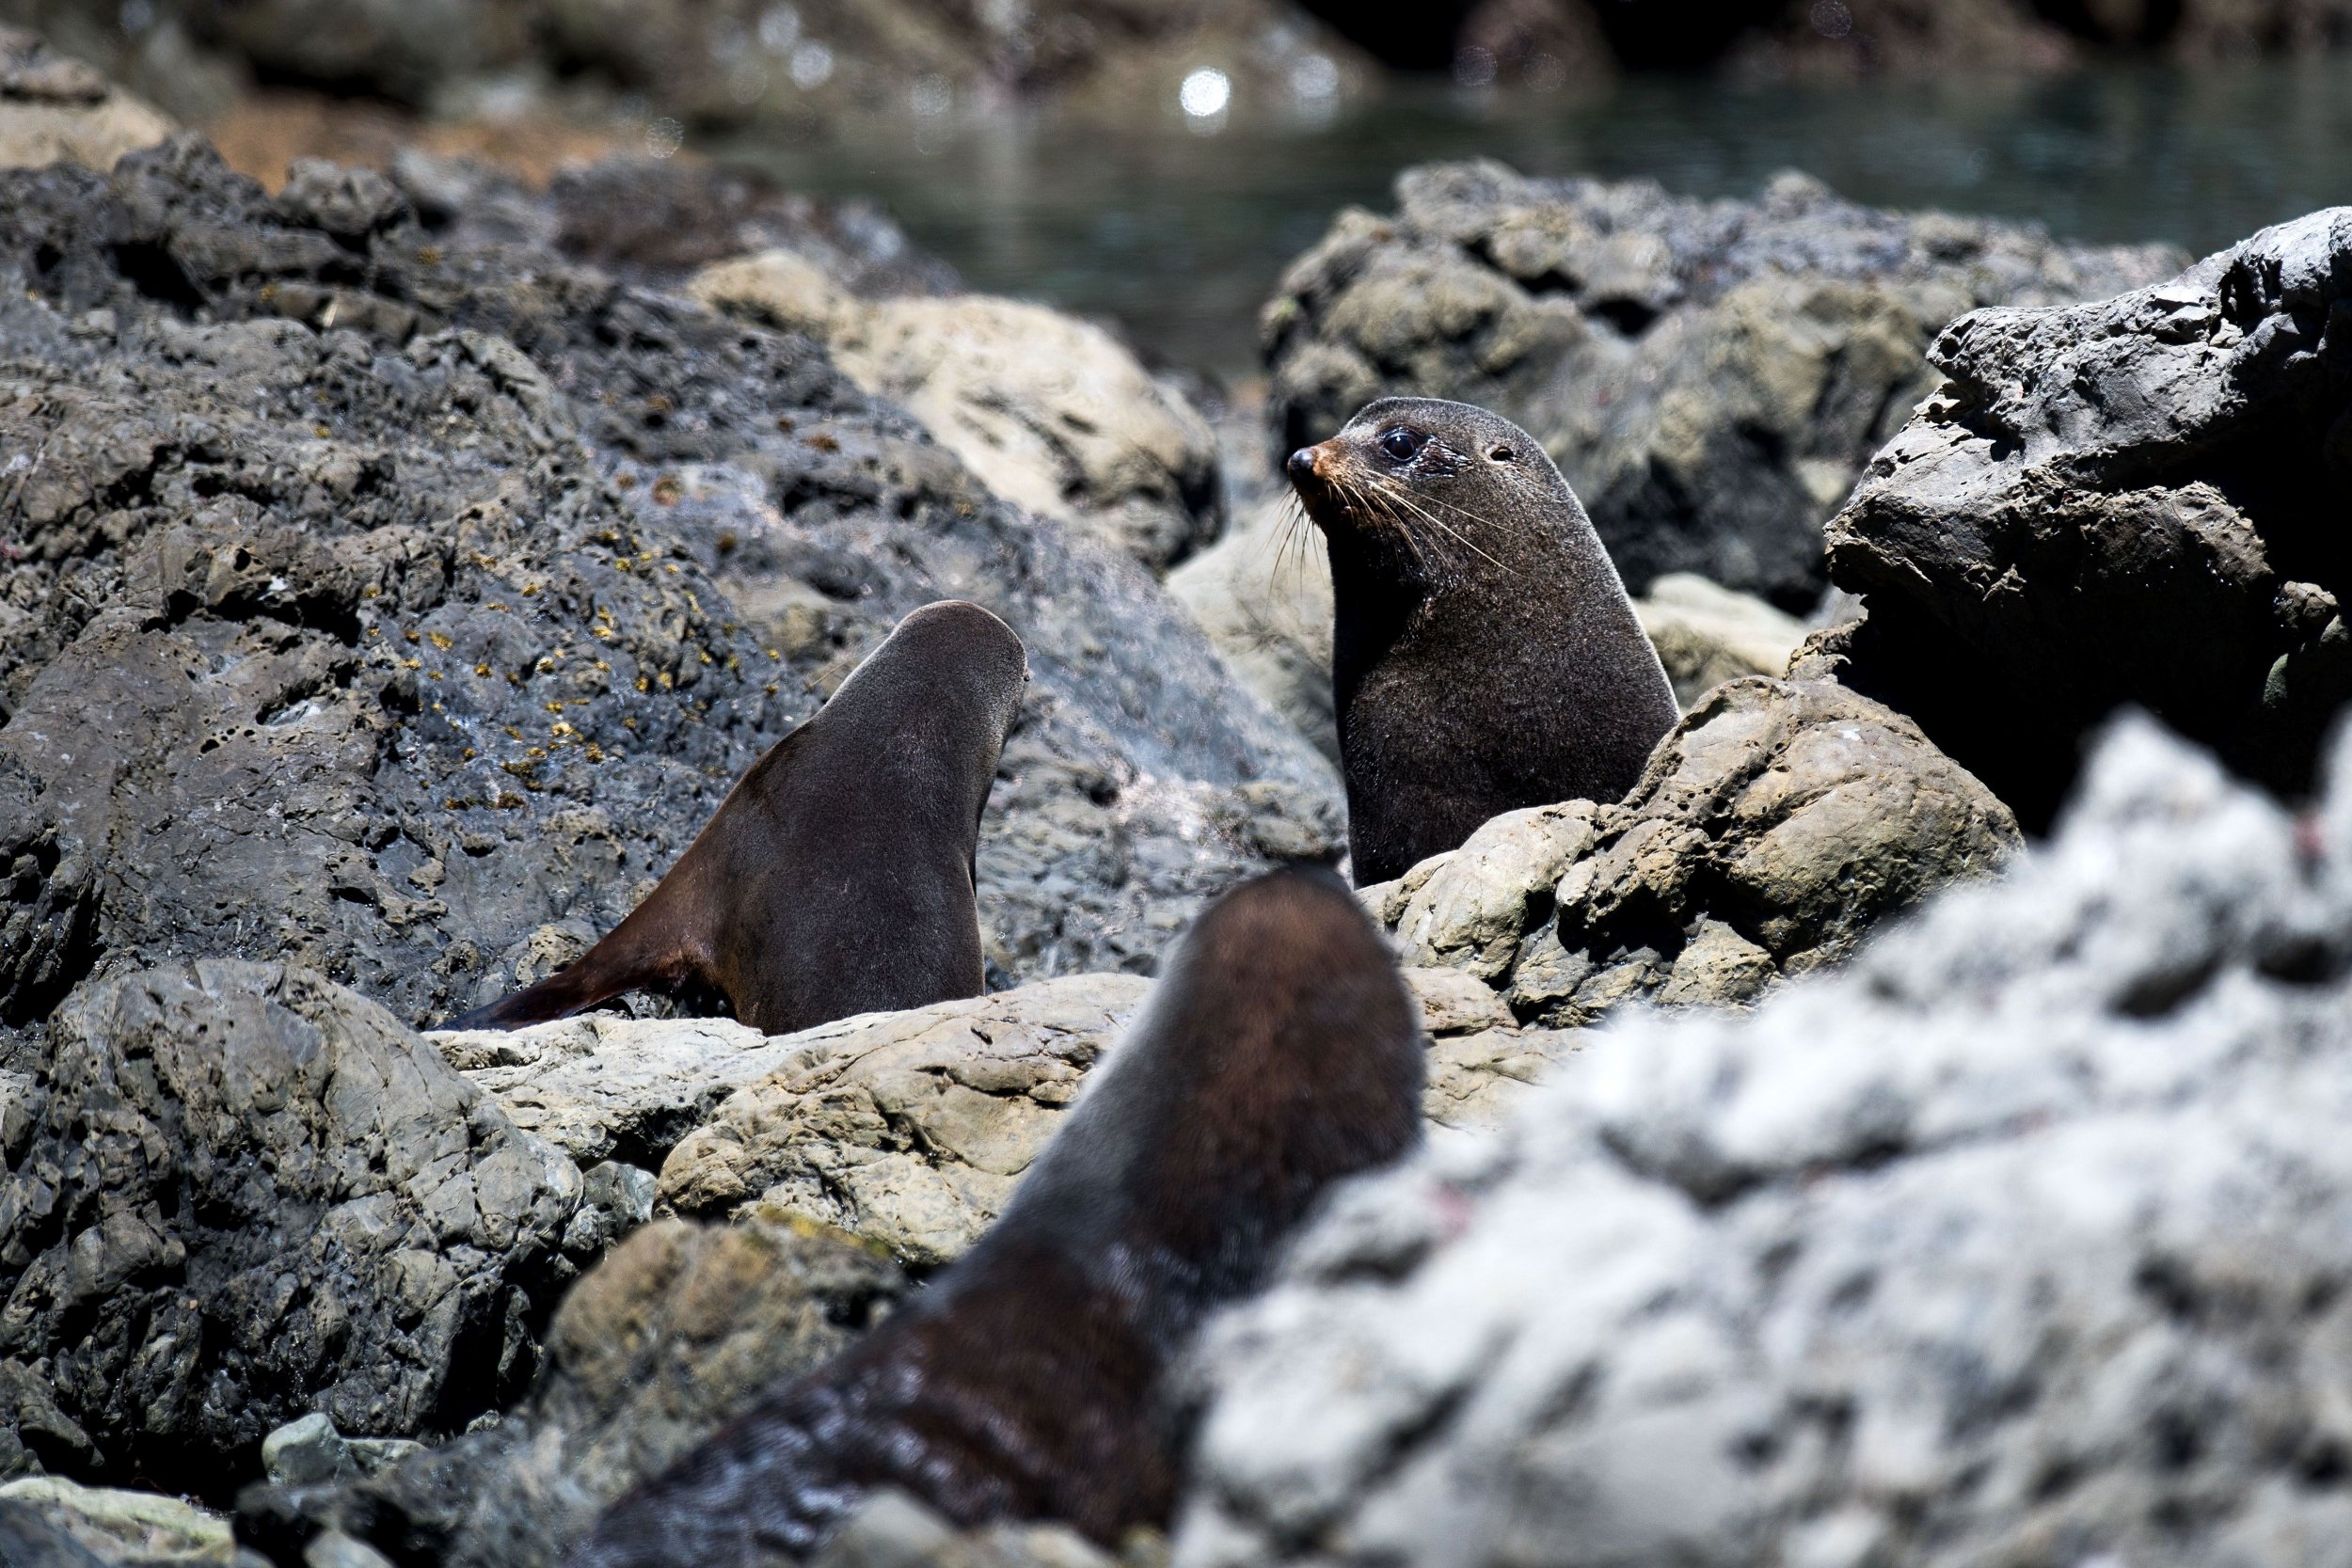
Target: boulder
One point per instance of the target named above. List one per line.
(55, 108)
(399, 599)
(2135, 501)
(910, 1130)
(1775, 827)
(1051, 413)
(137, 1529)
(1707, 635)
(1709, 375)
(2018, 1241)
(906, 1128)
(655, 1348)
(239, 1193)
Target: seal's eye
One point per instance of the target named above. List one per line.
(1401, 443)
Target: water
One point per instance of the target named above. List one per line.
(1179, 235)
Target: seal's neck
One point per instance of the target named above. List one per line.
(1372, 609)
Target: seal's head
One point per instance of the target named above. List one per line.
(1427, 488)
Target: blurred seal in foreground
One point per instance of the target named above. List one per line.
(1279, 1053)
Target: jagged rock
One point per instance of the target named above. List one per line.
(656, 1347)
(137, 1529)
(405, 615)
(242, 1194)
(1707, 635)
(1051, 413)
(1709, 375)
(2020, 1242)
(1774, 828)
(55, 108)
(2134, 501)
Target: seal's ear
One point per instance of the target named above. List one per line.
(1503, 453)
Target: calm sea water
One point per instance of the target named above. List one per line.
(1179, 232)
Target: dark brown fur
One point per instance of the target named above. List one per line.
(1279, 1053)
(836, 877)
(1485, 656)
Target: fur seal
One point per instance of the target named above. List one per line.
(1279, 1053)
(836, 877)
(1485, 656)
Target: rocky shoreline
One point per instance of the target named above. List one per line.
(395, 570)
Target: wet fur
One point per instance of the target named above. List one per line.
(1485, 654)
(1279, 1053)
(836, 877)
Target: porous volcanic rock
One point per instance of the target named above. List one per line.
(239, 1193)
(1773, 829)
(1709, 375)
(1051, 413)
(675, 1331)
(2019, 1242)
(399, 600)
(2135, 501)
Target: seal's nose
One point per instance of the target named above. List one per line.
(1302, 464)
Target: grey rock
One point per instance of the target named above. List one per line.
(893, 1530)
(2135, 501)
(286, 1202)
(1711, 376)
(1263, 594)
(2017, 1242)
(431, 697)
(307, 1451)
(679, 1327)
(1776, 825)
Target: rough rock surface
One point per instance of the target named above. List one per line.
(1709, 375)
(607, 1087)
(910, 1130)
(2137, 501)
(240, 1193)
(54, 108)
(906, 1129)
(1775, 827)
(1264, 596)
(399, 601)
(1051, 413)
(656, 1347)
(2020, 1243)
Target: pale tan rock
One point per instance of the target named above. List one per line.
(1049, 412)
(1705, 634)
(1263, 594)
(1773, 829)
(906, 1129)
(56, 109)
(120, 1524)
